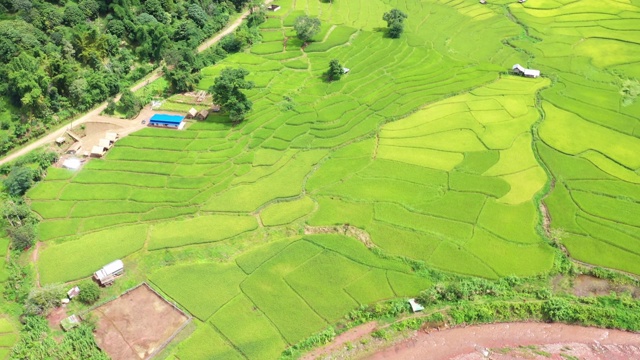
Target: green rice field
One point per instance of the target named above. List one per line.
(429, 146)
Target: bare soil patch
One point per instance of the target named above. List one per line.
(137, 325)
(346, 229)
(56, 316)
(513, 340)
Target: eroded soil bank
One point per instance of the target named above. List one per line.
(508, 341)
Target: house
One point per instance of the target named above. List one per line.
(202, 115)
(345, 70)
(112, 136)
(192, 113)
(215, 108)
(70, 322)
(73, 292)
(483, 2)
(273, 7)
(107, 275)
(105, 143)
(415, 307)
(97, 151)
(71, 163)
(74, 148)
(164, 120)
(520, 70)
(60, 140)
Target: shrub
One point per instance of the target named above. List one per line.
(89, 292)
(41, 300)
(19, 180)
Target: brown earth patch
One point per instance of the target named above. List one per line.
(137, 325)
(546, 341)
(56, 316)
(346, 229)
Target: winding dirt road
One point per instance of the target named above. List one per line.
(155, 74)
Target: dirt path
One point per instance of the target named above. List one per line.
(491, 341)
(34, 260)
(155, 74)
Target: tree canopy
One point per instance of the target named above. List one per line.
(306, 27)
(395, 22)
(335, 70)
(227, 92)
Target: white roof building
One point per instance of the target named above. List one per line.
(415, 307)
(72, 164)
(519, 69)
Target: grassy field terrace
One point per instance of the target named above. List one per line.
(429, 147)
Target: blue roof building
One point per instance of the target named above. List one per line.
(166, 120)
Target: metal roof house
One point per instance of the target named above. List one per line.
(273, 7)
(111, 136)
(165, 120)
(415, 307)
(97, 151)
(521, 70)
(107, 275)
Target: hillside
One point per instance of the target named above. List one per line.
(61, 58)
(429, 157)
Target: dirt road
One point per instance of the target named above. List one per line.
(552, 341)
(155, 74)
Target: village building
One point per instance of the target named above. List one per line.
(415, 306)
(105, 143)
(202, 115)
(97, 151)
(107, 275)
(73, 292)
(73, 149)
(60, 140)
(192, 113)
(165, 120)
(215, 108)
(70, 322)
(273, 7)
(112, 136)
(522, 71)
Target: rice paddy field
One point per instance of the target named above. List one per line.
(428, 146)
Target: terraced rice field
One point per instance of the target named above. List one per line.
(428, 146)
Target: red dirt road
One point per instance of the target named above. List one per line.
(481, 342)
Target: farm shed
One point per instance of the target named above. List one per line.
(273, 7)
(60, 140)
(111, 136)
(97, 151)
(202, 115)
(70, 322)
(415, 307)
(74, 148)
(105, 143)
(73, 292)
(520, 70)
(165, 120)
(192, 113)
(215, 108)
(107, 275)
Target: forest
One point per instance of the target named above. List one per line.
(62, 57)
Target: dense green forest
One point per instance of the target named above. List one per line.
(59, 57)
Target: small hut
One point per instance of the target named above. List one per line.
(192, 113)
(97, 151)
(60, 140)
(107, 275)
(112, 136)
(415, 306)
(73, 292)
(273, 7)
(73, 149)
(72, 163)
(215, 108)
(70, 322)
(202, 115)
(105, 143)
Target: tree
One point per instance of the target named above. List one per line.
(19, 180)
(395, 22)
(227, 92)
(89, 292)
(130, 104)
(306, 27)
(22, 237)
(335, 70)
(41, 300)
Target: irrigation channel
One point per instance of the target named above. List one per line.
(516, 341)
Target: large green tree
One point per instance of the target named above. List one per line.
(227, 91)
(306, 27)
(395, 22)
